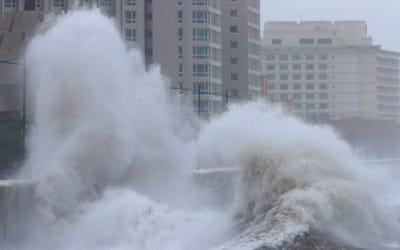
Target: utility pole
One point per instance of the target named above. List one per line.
(226, 99)
(198, 98)
(24, 102)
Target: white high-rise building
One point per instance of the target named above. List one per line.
(330, 70)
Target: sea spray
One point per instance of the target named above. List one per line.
(108, 164)
(298, 179)
(99, 116)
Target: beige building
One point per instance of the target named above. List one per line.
(330, 70)
(206, 46)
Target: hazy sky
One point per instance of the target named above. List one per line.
(382, 16)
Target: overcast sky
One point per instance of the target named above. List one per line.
(382, 16)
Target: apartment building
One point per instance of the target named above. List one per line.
(187, 45)
(330, 70)
(241, 47)
(209, 49)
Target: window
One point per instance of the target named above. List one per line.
(309, 57)
(180, 34)
(214, 19)
(39, 4)
(180, 16)
(270, 57)
(310, 86)
(130, 16)
(283, 67)
(296, 86)
(323, 86)
(283, 57)
(180, 52)
(234, 77)
(201, 52)
(106, 3)
(233, 13)
(254, 33)
(56, 3)
(296, 67)
(254, 49)
(283, 77)
(254, 17)
(180, 2)
(200, 16)
(201, 70)
(324, 41)
(234, 29)
(306, 41)
(323, 76)
(233, 45)
(276, 41)
(215, 71)
(283, 87)
(270, 67)
(201, 34)
(9, 3)
(180, 70)
(296, 76)
(216, 54)
(215, 36)
(283, 97)
(130, 35)
(180, 85)
(296, 57)
(270, 76)
(310, 106)
(202, 105)
(202, 86)
(234, 92)
(200, 2)
(234, 60)
(271, 86)
(323, 96)
(310, 67)
(323, 66)
(297, 96)
(323, 105)
(323, 57)
(310, 77)
(310, 96)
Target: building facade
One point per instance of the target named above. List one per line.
(241, 47)
(208, 49)
(330, 71)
